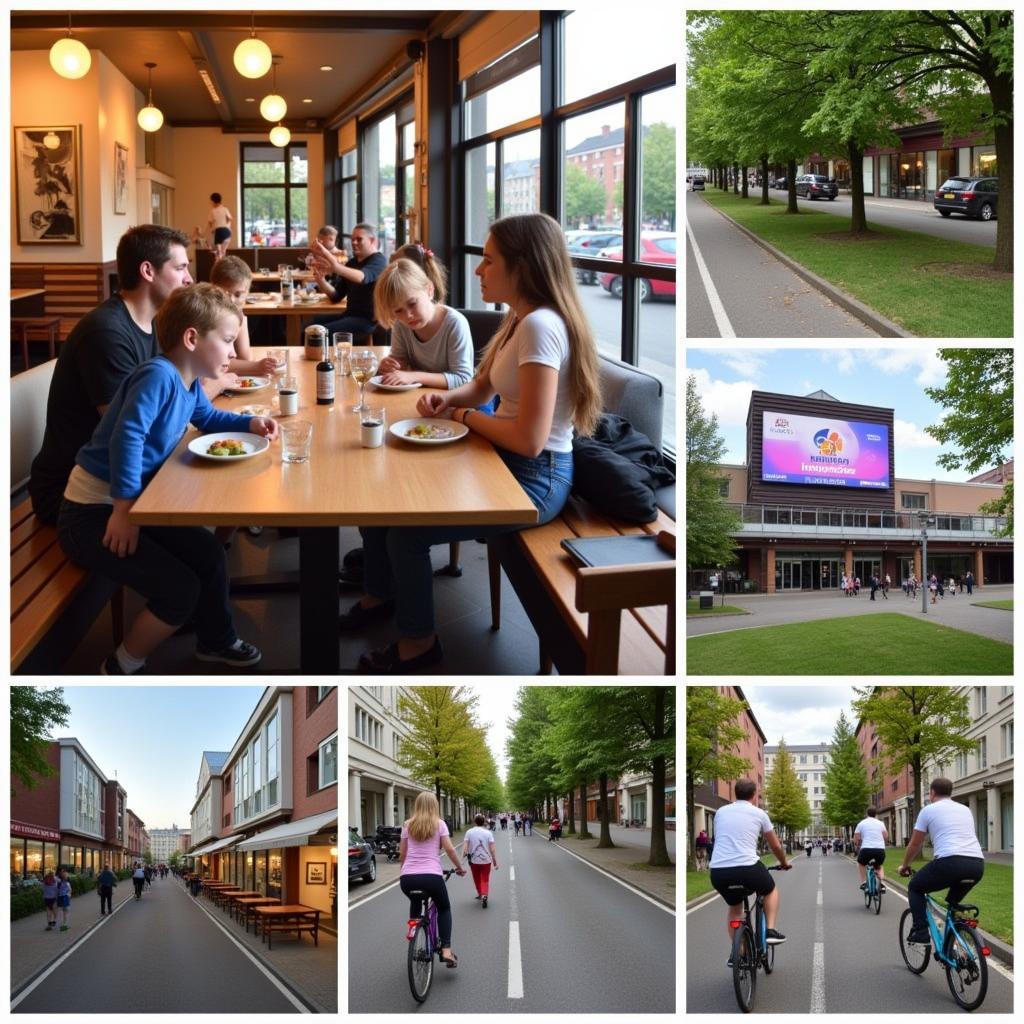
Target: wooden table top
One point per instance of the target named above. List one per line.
(245, 894)
(297, 275)
(398, 484)
(26, 293)
(287, 908)
(278, 307)
(251, 901)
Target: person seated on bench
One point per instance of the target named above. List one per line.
(181, 571)
(543, 363)
(233, 276)
(354, 280)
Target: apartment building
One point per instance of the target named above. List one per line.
(810, 761)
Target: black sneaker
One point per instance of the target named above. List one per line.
(730, 963)
(239, 654)
(485, 901)
(864, 886)
(881, 887)
(112, 667)
(773, 937)
(920, 936)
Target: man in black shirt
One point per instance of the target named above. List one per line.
(101, 350)
(354, 280)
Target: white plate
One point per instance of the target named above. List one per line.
(254, 445)
(263, 297)
(459, 430)
(254, 410)
(308, 299)
(261, 383)
(375, 381)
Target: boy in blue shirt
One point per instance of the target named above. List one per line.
(181, 570)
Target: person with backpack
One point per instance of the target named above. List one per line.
(478, 846)
(554, 829)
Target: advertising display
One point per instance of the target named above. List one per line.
(820, 450)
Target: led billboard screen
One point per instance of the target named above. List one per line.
(820, 450)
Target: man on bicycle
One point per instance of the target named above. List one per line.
(869, 839)
(735, 862)
(957, 861)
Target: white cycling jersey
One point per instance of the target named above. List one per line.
(738, 826)
(951, 826)
(872, 834)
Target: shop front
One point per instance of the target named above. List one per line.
(35, 850)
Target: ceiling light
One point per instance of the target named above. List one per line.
(307, 100)
(326, 67)
(280, 136)
(250, 99)
(252, 56)
(273, 106)
(70, 58)
(150, 118)
(210, 87)
(51, 140)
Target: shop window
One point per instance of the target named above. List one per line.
(984, 161)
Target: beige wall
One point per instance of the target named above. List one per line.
(737, 482)
(318, 896)
(949, 497)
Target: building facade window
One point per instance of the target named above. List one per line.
(1007, 735)
(369, 730)
(982, 700)
(275, 199)
(911, 500)
(983, 752)
(328, 761)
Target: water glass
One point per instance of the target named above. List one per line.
(296, 441)
(280, 357)
(342, 351)
(372, 421)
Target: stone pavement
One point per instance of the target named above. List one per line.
(958, 612)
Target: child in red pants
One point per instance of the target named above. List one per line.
(478, 845)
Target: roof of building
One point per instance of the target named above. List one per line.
(803, 748)
(760, 731)
(607, 138)
(216, 758)
(822, 396)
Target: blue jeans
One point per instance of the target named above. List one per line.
(396, 559)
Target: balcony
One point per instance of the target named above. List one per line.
(799, 521)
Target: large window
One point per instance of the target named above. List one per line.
(349, 214)
(388, 151)
(275, 201)
(328, 761)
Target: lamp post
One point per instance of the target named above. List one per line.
(924, 520)
(721, 581)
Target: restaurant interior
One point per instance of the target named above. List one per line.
(428, 125)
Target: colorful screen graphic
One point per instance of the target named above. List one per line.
(820, 450)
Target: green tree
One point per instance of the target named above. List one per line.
(713, 732)
(174, 861)
(490, 793)
(34, 712)
(147, 856)
(533, 761)
(846, 779)
(784, 795)
(977, 401)
(659, 173)
(710, 523)
(915, 724)
(584, 196)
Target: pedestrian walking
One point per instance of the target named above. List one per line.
(478, 845)
(504, 823)
(64, 899)
(554, 829)
(933, 586)
(952, 587)
(50, 881)
(528, 825)
(874, 585)
(969, 580)
(138, 879)
(885, 586)
(106, 883)
(856, 586)
(702, 850)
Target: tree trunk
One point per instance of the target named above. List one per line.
(858, 214)
(605, 842)
(764, 180)
(1001, 87)
(584, 831)
(572, 813)
(791, 187)
(723, 178)
(743, 172)
(735, 178)
(659, 850)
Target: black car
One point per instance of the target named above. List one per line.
(587, 243)
(974, 197)
(362, 863)
(780, 183)
(817, 186)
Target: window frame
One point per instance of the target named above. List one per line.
(320, 761)
(288, 185)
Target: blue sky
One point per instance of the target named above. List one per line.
(154, 737)
(890, 377)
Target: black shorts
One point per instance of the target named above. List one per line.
(872, 853)
(733, 884)
(221, 235)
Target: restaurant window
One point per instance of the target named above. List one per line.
(275, 203)
(274, 873)
(17, 858)
(261, 872)
(33, 858)
(328, 762)
(388, 152)
(983, 161)
(349, 184)
(257, 775)
(249, 882)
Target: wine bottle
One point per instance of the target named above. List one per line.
(325, 377)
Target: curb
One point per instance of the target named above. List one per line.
(878, 323)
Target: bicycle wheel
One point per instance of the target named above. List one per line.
(421, 963)
(968, 981)
(768, 960)
(915, 955)
(744, 968)
(867, 894)
(876, 896)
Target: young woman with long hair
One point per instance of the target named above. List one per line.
(543, 364)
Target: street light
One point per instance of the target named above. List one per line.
(925, 520)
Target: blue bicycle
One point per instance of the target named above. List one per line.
(873, 889)
(957, 947)
(423, 944)
(750, 949)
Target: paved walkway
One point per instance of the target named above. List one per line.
(959, 612)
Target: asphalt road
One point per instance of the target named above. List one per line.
(588, 945)
(760, 297)
(159, 954)
(860, 967)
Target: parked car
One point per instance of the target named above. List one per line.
(587, 243)
(658, 247)
(974, 197)
(780, 183)
(816, 186)
(698, 185)
(362, 863)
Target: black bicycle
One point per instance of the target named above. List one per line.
(750, 948)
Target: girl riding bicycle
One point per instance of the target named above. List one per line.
(424, 835)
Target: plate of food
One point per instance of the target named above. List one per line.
(429, 431)
(309, 298)
(263, 297)
(254, 410)
(231, 446)
(376, 382)
(247, 384)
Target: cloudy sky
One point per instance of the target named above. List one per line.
(889, 377)
(801, 714)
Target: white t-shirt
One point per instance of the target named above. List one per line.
(872, 834)
(220, 217)
(540, 337)
(479, 839)
(738, 826)
(951, 827)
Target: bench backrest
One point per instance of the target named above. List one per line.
(29, 392)
(634, 395)
(483, 325)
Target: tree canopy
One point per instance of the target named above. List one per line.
(846, 789)
(784, 795)
(34, 712)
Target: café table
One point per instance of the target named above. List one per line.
(247, 907)
(342, 484)
(287, 917)
(25, 293)
(293, 312)
(237, 894)
(223, 894)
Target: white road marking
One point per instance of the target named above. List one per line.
(819, 897)
(725, 328)
(511, 873)
(818, 969)
(373, 895)
(515, 962)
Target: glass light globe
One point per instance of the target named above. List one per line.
(150, 119)
(70, 58)
(51, 140)
(252, 58)
(273, 107)
(280, 136)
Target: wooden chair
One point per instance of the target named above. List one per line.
(48, 325)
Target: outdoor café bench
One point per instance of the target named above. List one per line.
(292, 917)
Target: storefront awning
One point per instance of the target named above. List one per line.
(213, 847)
(293, 833)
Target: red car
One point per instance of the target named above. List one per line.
(657, 247)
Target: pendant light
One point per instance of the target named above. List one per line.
(51, 140)
(273, 106)
(252, 56)
(150, 118)
(70, 58)
(280, 136)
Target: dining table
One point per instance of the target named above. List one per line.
(400, 483)
(25, 293)
(293, 310)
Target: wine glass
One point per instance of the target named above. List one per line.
(363, 362)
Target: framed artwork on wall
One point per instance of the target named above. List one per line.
(120, 178)
(47, 185)
(316, 872)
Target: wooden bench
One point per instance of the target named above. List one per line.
(35, 328)
(291, 917)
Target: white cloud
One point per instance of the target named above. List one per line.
(845, 362)
(895, 361)
(909, 435)
(744, 361)
(728, 400)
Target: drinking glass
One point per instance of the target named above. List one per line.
(342, 352)
(287, 395)
(280, 357)
(296, 441)
(364, 365)
(371, 426)
(282, 268)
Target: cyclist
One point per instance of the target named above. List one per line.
(957, 860)
(808, 846)
(138, 879)
(869, 839)
(423, 837)
(738, 826)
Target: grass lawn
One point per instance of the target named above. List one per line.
(693, 603)
(697, 883)
(1007, 604)
(885, 644)
(898, 273)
